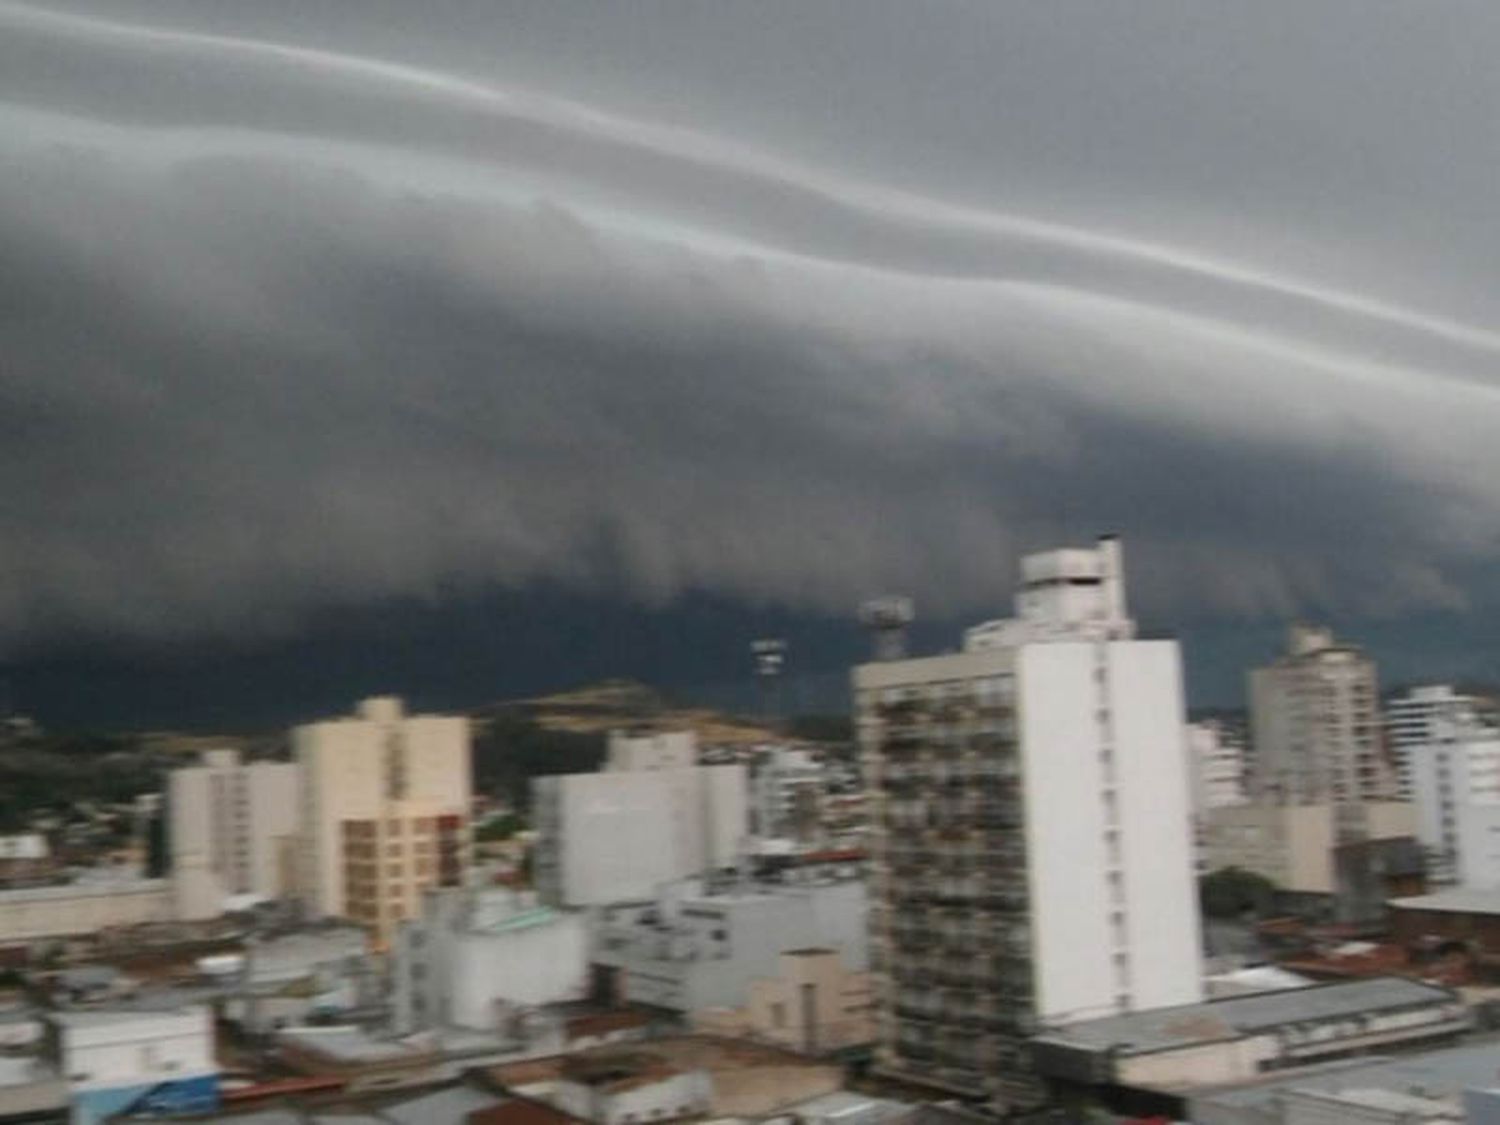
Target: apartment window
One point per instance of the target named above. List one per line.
(778, 1015)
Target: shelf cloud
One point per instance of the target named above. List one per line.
(321, 307)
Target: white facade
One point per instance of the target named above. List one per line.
(788, 785)
(83, 908)
(1455, 781)
(616, 836)
(1316, 725)
(660, 750)
(1033, 837)
(694, 947)
(1412, 720)
(1216, 757)
(477, 957)
(28, 845)
(385, 812)
(111, 1058)
(232, 831)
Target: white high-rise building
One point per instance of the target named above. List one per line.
(1315, 725)
(788, 784)
(1032, 830)
(1455, 780)
(385, 812)
(616, 836)
(1216, 758)
(1412, 720)
(232, 830)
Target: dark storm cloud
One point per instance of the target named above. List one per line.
(286, 325)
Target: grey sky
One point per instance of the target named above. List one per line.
(320, 302)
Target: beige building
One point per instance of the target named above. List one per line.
(1317, 727)
(385, 812)
(232, 830)
(813, 1005)
(1293, 845)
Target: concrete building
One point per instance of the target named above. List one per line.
(475, 958)
(1412, 722)
(696, 947)
(1172, 1051)
(1216, 759)
(232, 830)
(1294, 846)
(616, 836)
(1316, 725)
(1447, 1085)
(813, 1005)
(1464, 915)
(1032, 840)
(788, 787)
(82, 908)
(658, 750)
(124, 1061)
(1454, 776)
(384, 811)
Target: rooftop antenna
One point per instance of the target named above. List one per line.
(769, 654)
(887, 619)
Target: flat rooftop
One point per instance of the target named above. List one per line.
(1458, 900)
(1161, 1029)
(1431, 1075)
(349, 1044)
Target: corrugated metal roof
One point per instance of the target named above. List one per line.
(1229, 1018)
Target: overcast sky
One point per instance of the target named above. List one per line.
(313, 303)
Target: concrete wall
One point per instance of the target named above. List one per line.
(1164, 951)
(82, 908)
(100, 1050)
(616, 837)
(1071, 935)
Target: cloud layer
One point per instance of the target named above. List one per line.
(284, 325)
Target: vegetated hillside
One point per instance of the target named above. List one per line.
(567, 732)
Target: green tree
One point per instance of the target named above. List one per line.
(1232, 892)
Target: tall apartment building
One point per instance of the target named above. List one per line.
(1413, 720)
(232, 830)
(615, 836)
(1216, 761)
(1032, 835)
(1316, 727)
(1455, 781)
(385, 812)
(787, 785)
